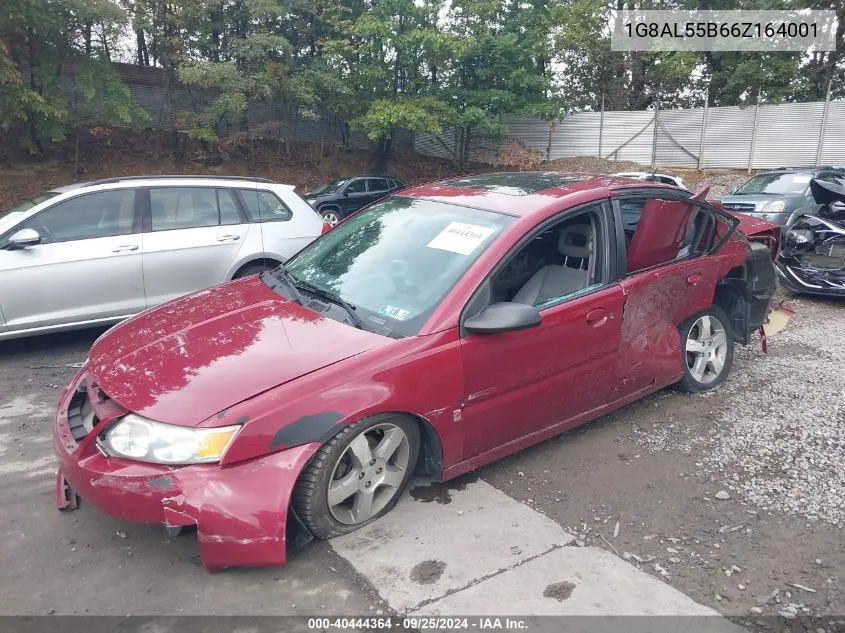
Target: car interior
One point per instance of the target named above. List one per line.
(558, 262)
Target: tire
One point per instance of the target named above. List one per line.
(693, 335)
(331, 216)
(338, 461)
(252, 270)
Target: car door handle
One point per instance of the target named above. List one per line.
(598, 317)
(693, 279)
(124, 249)
(228, 238)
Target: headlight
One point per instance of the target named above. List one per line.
(141, 439)
(775, 206)
(310, 201)
(799, 237)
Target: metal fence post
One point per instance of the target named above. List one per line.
(601, 124)
(824, 125)
(654, 137)
(754, 132)
(703, 128)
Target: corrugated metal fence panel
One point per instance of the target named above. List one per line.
(833, 147)
(439, 146)
(728, 138)
(577, 135)
(787, 135)
(533, 132)
(628, 136)
(684, 126)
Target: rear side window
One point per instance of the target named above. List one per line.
(379, 184)
(186, 208)
(264, 206)
(356, 186)
(660, 231)
(85, 217)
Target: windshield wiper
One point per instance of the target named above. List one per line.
(280, 274)
(343, 303)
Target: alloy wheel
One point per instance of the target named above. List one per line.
(331, 218)
(368, 474)
(706, 349)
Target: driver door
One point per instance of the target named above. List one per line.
(525, 385)
(355, 196)
(87, 266)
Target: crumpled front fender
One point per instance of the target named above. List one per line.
(242, 511)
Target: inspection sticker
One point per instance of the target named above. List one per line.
(460, 237)
(400, 314)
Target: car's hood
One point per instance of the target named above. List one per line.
(754, 198)
(189, 359)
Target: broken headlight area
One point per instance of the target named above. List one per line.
(138, 438)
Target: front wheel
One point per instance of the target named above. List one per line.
(358, 475)
(707, 349)
(331, 217)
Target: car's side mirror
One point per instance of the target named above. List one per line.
(734, 190)
(24, 238)
(503, 317)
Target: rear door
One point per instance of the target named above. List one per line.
(377, 188)
(666, 276)
(192, 236)
(87, 266)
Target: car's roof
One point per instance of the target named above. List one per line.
(523, 193)
(166, 179)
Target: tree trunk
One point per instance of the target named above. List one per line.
(76, 155)
(382, 155)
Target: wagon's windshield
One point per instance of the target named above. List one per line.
(783, 184)
(28, 204)
(396, 260)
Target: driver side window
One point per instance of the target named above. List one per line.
(85, 217)
(356, 186)
(560, 261)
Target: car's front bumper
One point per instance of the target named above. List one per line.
(241, 511)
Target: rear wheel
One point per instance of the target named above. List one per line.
(358, 475)
(706, 350)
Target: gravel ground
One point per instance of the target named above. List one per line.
(779, 436)
(736, 498)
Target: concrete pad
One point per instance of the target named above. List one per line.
(440, 538)
(570, 581)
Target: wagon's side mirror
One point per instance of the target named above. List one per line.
(734, 190)
(503, 317)
(24, 238)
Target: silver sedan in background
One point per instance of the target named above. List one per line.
(96, 253)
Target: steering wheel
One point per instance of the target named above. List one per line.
(398, 270)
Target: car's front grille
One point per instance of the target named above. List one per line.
(740, 207)
(81, 415)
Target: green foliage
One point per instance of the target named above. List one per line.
(420, 114)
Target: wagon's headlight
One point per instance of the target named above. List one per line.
(799, 237)
(135, 437)
(775, 206)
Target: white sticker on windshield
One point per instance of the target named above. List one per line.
(394, 312)
(460, 238)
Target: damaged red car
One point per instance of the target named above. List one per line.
(433, 332)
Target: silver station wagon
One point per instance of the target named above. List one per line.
(95, 253)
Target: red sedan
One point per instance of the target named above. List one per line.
(433, 332)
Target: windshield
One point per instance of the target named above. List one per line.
(783, 184)
(396, 260)
(25, 206)
(330, 186)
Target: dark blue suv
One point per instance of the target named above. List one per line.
(341, 197)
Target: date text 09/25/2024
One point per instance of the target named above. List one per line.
(418, 623)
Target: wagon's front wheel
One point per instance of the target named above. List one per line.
(358, 475)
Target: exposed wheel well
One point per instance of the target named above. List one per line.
(263, 261)
(732, 297)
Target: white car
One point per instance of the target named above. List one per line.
(96, 253)
(653, 177)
